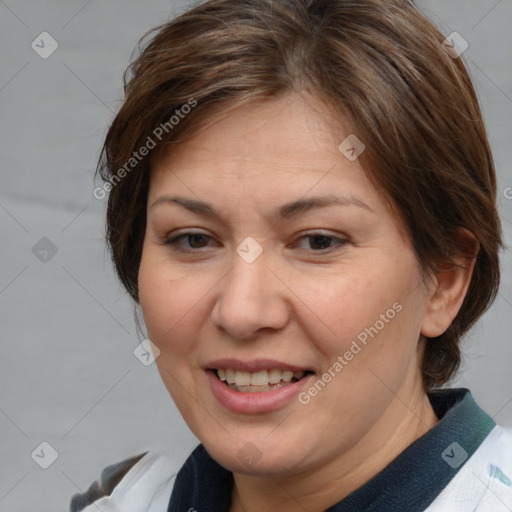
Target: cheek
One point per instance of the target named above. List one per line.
(176, 304)
(166, 301)
(376, 309)
(344, 305)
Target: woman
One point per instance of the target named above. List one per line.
(302, 201)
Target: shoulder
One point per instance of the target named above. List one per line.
(500, 449)
(126, 485)
(484, 483)
(110, 477)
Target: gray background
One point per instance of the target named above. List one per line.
(68, 373)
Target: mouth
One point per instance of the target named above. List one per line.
(260, 381)
(256, 386)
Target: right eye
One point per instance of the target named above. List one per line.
(194, 240)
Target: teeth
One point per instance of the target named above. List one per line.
(287, 376)
(242, 378)
(258, 379)
(274, 376)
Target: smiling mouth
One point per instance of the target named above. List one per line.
(260, 381)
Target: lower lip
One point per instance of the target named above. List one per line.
(257, 402)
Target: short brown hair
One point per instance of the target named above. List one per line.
(380, 64)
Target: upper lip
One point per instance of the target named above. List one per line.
(254, 365)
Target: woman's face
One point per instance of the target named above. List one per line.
(295, 265)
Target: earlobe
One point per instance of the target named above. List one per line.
(449, 286)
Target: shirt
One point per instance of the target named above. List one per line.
(462, 464)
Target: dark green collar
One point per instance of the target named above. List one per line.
(415, 478)
(410, 482)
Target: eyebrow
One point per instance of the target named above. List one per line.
(287, 210)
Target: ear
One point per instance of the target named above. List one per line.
(449, 287)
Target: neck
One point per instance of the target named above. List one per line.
(405, 420)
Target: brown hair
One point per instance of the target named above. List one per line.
(380, 64)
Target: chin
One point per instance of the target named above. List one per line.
(256, 457)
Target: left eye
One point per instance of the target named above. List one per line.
(320, 242)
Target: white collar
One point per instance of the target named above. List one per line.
(146, 487)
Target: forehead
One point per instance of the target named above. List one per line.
(290, 135)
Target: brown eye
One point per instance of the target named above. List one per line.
(321, 242)
(197, 240)
(193, 241)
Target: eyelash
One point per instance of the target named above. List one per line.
(174, 241)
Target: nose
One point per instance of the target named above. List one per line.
(250, 298)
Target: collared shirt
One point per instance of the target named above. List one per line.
(463, 463)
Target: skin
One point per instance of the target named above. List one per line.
(297, 302)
